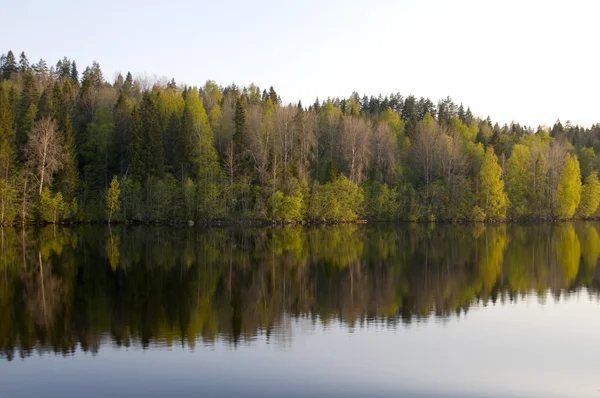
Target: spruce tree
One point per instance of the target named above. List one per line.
(9, 66)
(7, 158)
(136, 146)
(74, 73)
(154, 156)
(23, 63)
(173, 146)
(68, 177)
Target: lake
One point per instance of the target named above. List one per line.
(333, 311)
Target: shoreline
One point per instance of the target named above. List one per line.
(269, 223)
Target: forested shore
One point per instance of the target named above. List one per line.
(82, 149)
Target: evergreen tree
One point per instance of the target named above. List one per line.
(122, 125)
(68, 177)
(23, 63)
(173, 146)
(239, 127)
(95, 150)
(461, 114)
(27, 108)
(154, 156)
(7, 159)
(469, 116)
(9, 66)
(74, 73)
(273, 96)
(136, 146)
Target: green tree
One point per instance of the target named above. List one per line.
(52, 207)
(587, 161)
(492, 198)
(518, 181)
(568, 192)
(136, 147)
(154, 158)
(95, 150)
(113, 200)
(590, 196)
(338, 200)
(7, 159)
(9, 66)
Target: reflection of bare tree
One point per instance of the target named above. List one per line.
(185, 287)
(43, 292)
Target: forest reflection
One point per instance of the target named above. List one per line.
(62, 289)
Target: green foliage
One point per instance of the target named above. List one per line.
(492, 198)
(181, 152)
(568, 192)
(52, 207)
(287, 208)
(587, 161)
(519, 181)
(381, 202)
(478, 214)
(113, 200)
(95, 149)
(338, 200)
(590, 196)
(132, 200)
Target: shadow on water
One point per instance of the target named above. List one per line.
(63, 289)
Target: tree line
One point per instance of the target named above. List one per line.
(79, 148)
(65, 289)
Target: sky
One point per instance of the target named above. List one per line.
(530, 61)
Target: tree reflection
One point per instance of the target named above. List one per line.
(63, 288)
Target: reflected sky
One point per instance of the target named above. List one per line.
(522, 349)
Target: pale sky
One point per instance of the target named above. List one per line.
(531, 61)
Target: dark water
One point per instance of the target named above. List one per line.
(344, 311)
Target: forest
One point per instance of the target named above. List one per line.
(82, 149)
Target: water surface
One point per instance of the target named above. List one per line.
(338, 311)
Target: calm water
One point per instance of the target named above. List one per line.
(344, 311)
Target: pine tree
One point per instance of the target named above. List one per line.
(492, 198)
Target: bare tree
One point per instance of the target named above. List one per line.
(285, 133)
(425, 148)
(306, 140)
(44, 151)
(354, 144)
(260, 134)
(556, 160)
(383, 152)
